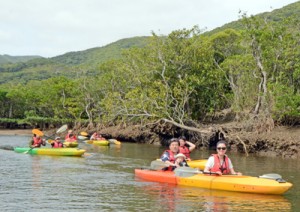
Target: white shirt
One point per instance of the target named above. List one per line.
(211, 162)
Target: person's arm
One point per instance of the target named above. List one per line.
(44, 142)
(232, 169)
(30, 144)
(166, 158)
(209, 164)
(191, 146)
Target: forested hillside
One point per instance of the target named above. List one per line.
(15, 59)
(251, 72)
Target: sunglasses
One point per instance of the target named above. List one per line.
(223, 148)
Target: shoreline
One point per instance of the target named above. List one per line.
(15, 132)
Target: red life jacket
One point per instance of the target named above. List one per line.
(223, 168)
(57, 144)
(70, 138)
(171, 159)
(185, 150)
(37, 141)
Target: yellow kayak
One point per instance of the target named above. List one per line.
(200, 164)
(70, 144)
(98, 142)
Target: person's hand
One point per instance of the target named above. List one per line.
(239, 173)
(218, 173)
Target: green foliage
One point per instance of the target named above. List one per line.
(183, 76)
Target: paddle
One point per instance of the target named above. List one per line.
(158, 165)
(40, 133)
(188, 171)
(273, 176)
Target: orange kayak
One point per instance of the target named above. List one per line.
(266, 184)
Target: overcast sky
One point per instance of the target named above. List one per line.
(53, 27)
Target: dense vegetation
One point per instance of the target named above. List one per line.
(183, 78)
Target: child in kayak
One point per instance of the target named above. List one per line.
(180, 160)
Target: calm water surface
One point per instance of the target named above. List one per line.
(104, 180)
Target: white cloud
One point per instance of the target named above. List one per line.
(50, 28)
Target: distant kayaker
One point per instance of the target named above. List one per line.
(169, 155)
(220, 163)
(97, 136)
(37, 141)
(57, 143)
(186, 147)
(70, 137)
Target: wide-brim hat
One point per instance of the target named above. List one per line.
(180, 155)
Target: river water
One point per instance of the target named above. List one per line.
(104, 180)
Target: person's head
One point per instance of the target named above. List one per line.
(182, 140)
(174, 145)
(57, 138)
(180, 157)
(221, 147)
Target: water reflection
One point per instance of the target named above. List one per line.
(105, 181)
(179, 198)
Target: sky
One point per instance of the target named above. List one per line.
(50, 28)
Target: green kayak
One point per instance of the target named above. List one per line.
(51, 151)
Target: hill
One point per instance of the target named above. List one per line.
(276, 15)
(16, 59)
(25, 68)
(66, 64)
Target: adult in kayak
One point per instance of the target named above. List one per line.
(97, 136)
(220, 163)
(57, 143)
(186, 147)
(36, 141)
(70, 137)
(168, 156)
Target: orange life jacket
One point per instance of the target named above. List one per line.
(70, 138)
(185, 150)
(57, 144)
(37, 141)
(223, 168)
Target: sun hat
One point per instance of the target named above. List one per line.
(180, 155)
(57, 138)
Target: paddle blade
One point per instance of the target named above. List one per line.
(50, 141)
(158, 165)
(37, 132)
(82, 137)
(186, 171)
(84, 133)
(62, 128)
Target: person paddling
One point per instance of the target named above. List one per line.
(37, 141)
(220, 163)
(70, 137)
(168, 156)
(97, 136)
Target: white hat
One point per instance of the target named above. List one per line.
(57, 138)
(180, 155)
